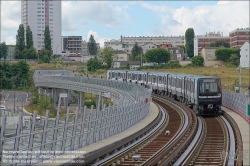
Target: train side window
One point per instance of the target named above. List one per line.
(160, 79)
(154, 78)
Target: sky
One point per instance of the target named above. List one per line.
(108, 20)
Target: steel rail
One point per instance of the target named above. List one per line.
(192, 146)
(122, 153)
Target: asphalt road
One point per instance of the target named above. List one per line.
(11, 99)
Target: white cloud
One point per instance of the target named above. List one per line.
(10, 40)
(223, 2)
(10, 20)
(100, 12)
(224, 16)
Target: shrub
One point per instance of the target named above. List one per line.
(173, 64)
(197, 61)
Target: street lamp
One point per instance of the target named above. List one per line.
(239, 69)
(14, 98)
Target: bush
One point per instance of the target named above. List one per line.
(90, 103)
(197, 61)
(173, 64)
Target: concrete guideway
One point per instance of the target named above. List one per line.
(93, 147)
(245, 132)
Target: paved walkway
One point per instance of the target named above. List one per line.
(90, 148)
(244, 130)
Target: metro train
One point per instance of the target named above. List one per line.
(201, 93)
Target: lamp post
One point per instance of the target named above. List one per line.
(239, 69)
(14, 99)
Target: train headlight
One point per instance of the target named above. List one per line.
(219, 95)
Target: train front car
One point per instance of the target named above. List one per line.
(209, 95)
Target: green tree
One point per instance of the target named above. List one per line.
(234, 59)
(212, 44)
(197, 61)
(92, 47)
(223, 54)
(107, 56)
(158, 55)
(30, 53)
(93, 64)
(3, 50)
(136, 50)
(29, 37)
(44, 56)
(189, 37)
(222, 44)
(47, 39)
(20, 42)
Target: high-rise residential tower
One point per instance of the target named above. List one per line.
(40, 13)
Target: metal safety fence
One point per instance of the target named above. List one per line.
(236, 102)
(34, 140)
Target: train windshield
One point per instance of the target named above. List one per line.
(209, 86)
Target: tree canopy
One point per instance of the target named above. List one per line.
(20, 42)
(23, 51)
(219, 44)
(29, 53)
(92, 47)
(189, 37)
(224, 54)
(107, 56)
(158, 55)
(3, 50)
(136, 50)
(93, 64)
(197, 61)
(44, 56)
(29, 37)
(47, 39)
(16, 73)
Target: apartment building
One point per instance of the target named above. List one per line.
(201, 41)
(73, 44)
(38, 14)
(157, 40)
(238, 37)
(126, 43)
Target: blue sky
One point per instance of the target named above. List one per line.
(110, 19)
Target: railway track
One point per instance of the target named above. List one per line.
(167, 143)
(183, 139)
(215, 143)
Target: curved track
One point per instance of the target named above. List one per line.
(174, 125)
(163, 146)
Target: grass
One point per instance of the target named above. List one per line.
(32, 108)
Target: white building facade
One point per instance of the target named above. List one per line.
(126, 43)
(38, 14)
(147, 47)
(244, 55)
